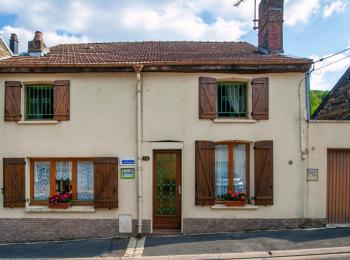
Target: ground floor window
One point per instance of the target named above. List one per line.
(52, 176)
(231, 168)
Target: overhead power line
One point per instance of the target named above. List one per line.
(348, 56)
(330, 56)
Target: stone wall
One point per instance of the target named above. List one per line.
(46, 229)
(214, 225)
(3, 50)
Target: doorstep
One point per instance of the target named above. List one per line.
(165, 232)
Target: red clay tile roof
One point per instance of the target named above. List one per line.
(151, 52)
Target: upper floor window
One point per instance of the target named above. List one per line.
(39, 102)
(232, 99)
(43, 100)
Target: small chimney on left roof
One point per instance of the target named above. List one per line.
(37, 47)
(14, 43)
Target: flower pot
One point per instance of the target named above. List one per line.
(234, 203)
(59, 206)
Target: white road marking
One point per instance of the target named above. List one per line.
(140, 246)
(130, 251)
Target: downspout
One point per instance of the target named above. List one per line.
(308, 117)
(138, 69)
(307, 90)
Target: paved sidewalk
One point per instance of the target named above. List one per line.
(237, 242)
(261, 245)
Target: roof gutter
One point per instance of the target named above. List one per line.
(189, 68)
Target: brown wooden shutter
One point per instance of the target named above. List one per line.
(106, 182)
(263, 172)
(13, 100)
(260, 96)
(62, 100)
(207, 98)
(14, 182)
(205, 173)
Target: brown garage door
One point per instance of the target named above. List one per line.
(338, 186)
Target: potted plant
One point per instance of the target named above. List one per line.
(234, 199)
(62, 200)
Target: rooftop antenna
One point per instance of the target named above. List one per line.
(256, 26)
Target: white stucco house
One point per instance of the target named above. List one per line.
(151, 136)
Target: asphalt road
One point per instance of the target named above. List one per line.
(69, 249)
(261, 241)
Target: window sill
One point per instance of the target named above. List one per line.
(74, 209)
(224, 207)
(37, 122)
(231, 120)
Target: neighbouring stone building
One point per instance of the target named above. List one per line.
(336, 105)
(4, 49)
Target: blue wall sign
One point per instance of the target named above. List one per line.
(127, 161)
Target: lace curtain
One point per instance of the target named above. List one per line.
(233, 98)
(239, 180)
(221, 170)
(41, 180)
(85, 180)
(63, 176)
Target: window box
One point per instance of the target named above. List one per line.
(59, 205)
(224, 207)
(72, 209)
(232, 203)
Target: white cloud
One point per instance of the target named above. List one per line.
(326, 77)
(334, 7)
(110, 20)
(300, 10)
(50, 38)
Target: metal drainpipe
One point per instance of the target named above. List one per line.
(308, 117)
(138, 69)
(307, 90)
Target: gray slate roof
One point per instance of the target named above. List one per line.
(336, 105)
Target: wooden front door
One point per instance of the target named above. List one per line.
(338, 186)
(167, 189)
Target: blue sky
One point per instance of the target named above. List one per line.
(312, 28)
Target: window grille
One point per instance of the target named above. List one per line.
(39, 102)
(232, 99)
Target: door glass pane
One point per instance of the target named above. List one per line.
(240, 168)
(63, 177)
(41, 180)
(166, 184)
(85, 180)
(221, 170)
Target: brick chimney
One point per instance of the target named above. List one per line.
(37, 47)
(14, 43)
(271, 25)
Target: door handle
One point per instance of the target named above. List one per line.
(179, 189)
